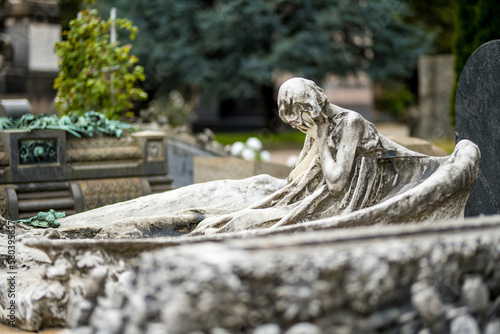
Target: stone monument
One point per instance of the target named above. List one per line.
(345, 171)
(435, 85)
(29, 30)
(478, 119)
(265, 255)
(46, 164)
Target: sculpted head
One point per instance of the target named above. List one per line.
(297, 96)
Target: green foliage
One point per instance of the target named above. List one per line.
(6, 123)
(488, 18)
(95, 74)
(434, 16)
(463, 41)
(396, 101)
(476, 22)
(292, 139)
(234, 47)
(447, 145)
(90, 124)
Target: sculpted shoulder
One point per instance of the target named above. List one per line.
(350, 119)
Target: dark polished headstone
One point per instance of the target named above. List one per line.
(478, 119)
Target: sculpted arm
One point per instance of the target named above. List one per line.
(337, 166)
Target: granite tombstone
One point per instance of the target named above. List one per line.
(478, 119)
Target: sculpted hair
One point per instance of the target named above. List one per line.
(300, 89)
(320, 95)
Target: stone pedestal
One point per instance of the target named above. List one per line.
(215, 168)
(435, 75)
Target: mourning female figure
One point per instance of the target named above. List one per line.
(347, 174)
(344, 165)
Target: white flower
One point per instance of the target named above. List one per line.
(237, 148)
(292, 161)
(265, 156)
(248, 154)
(254, 143)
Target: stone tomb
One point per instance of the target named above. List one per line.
(51, 169)
(478, 119)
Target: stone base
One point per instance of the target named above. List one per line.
(419, 145)
(224, 168)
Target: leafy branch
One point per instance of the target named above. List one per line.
(94, 73)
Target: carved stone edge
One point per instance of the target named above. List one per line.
(129, 248)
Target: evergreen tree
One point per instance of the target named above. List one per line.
(434, 16)
(487, 21)
(233, 48)
(463, 41)
(476, 22)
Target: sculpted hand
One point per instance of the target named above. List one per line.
(310, 126)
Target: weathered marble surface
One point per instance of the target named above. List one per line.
(169, 213)
(346, 166)
(478, 119)
(409, 278)
(347, 175)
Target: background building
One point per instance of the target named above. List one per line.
(28, 64)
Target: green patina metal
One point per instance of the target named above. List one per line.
(89, 124)
(43, 219)
(6, 123)
(37, 151)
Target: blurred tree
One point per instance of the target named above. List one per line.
(434, 16)
(234, 48)
(487, 22)
(476, 22)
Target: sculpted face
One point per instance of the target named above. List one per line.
(297, 98)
